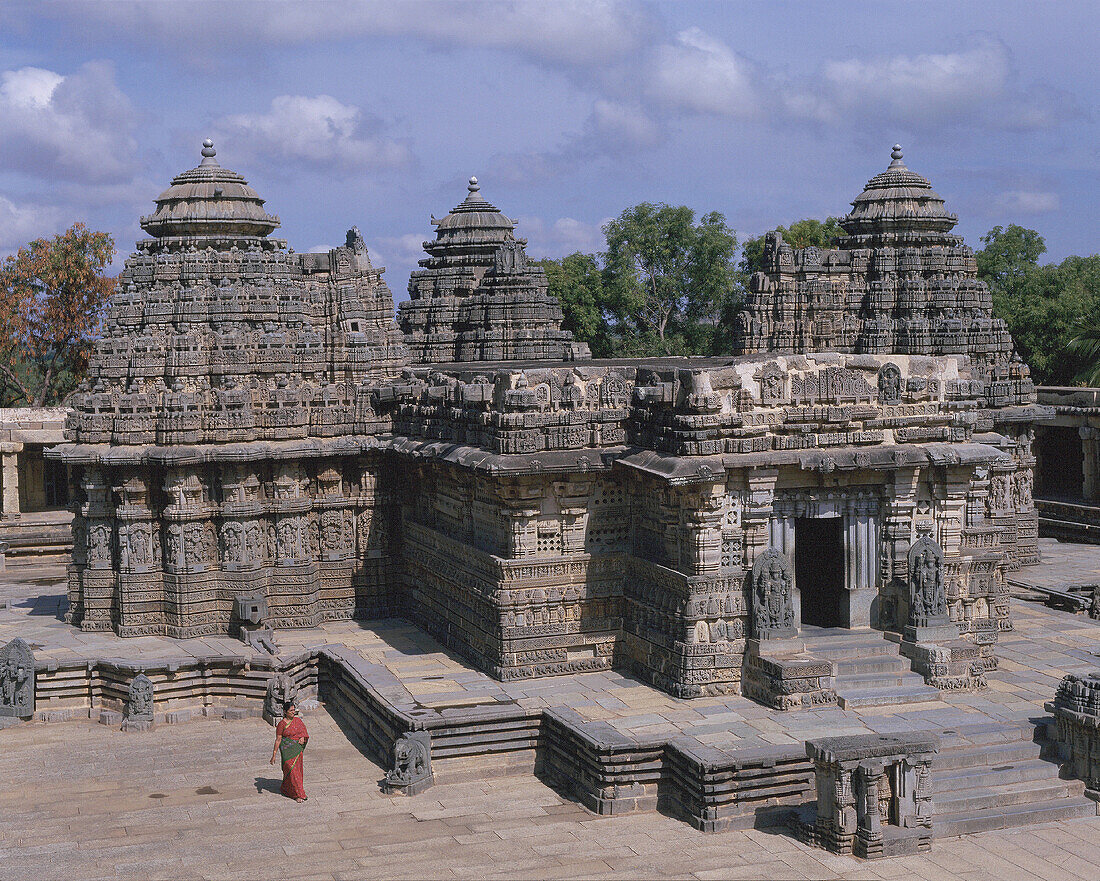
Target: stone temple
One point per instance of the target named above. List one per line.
(478, 298)
(256, 425)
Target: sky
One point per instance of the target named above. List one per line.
(374, 114)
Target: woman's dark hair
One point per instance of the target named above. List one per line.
(286, 707)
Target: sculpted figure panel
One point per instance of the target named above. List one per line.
(927, 597)
(773, 596)
(17, 679)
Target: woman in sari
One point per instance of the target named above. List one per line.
(290, 744)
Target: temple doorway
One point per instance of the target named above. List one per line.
(819, 570)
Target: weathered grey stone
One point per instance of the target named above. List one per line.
(478, 298)
(411, 773)
(1076, 709)
(874, 794)
(281, 688)
(139, 704)
(17, 680)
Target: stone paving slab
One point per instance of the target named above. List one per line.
(413, 670)
(201, 801)
(1064, 563)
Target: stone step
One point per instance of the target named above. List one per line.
(873, 664)
(985, 776)
(946, 825)
(988, 756)
(1026, 792)
(877, 681)
(885, 697)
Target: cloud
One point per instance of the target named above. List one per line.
(319, 131)
(565, 32)
(564, 236)
(77, 127)
(973, 85)
(612, 129)
(20, 223)
(403, 249)
(1027, 202)
(623, 124)
(702, 74)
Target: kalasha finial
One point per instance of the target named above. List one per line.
(896, 155)
(208, 150)
(473, 187)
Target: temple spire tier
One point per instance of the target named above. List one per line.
(478, 297)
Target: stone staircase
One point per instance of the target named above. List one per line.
(870, 672)
(1000, 776)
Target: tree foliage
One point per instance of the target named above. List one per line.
(801, 234)
(1051, 311)
(660, 287)
(52, 297)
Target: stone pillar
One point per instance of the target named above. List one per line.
(9, 480)
(1090, 483)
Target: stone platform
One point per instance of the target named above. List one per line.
(618, 744)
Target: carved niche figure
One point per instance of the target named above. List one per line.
(280, 689)
(889, 384)
(927, 598)
(773, 598)
(998, 492)
(99, 546)
(1021, 489)
(412, 763)
(139, 700)
(771, 380)
(17, 680)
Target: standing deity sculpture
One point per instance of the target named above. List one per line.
(927, 597)
(773, 596)
(17, 680)
(139, 704)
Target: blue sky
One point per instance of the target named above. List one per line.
(374, 114)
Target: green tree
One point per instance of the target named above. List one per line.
(1009, 254)
(801, 234)
(576, 280)
(667, 278)
(52, 297)
(1052, 310)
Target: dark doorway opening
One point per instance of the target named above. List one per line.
(819, 570)
(1061, 463)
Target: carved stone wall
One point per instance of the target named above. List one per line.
(252, 427)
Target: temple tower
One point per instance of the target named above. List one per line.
(478, 296)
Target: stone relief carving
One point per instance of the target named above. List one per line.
(17, 680)
(281, 689)
(927, 597)
(412, 763)
(773, 596)
(889, 385)
(138, 714)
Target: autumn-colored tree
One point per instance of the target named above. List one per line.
(52, 298)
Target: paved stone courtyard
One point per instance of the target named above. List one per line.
(200, 801)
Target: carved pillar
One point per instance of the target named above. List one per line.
(703, 520)
(9, 480)
(1090, 483)
(98, 578)
(897, 536)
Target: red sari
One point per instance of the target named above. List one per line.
(291, 749)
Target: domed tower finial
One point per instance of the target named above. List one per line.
(896, 156)
(473, 187)
(208, 153)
